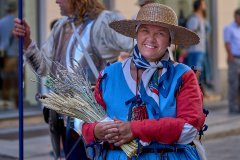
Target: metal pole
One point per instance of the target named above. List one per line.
(20, 85)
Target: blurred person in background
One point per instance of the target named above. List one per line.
(232, 45)
(182, 20)
(9, 56)
(86, 20)
(196, 54)
(55, 122)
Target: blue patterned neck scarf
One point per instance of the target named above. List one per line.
(151, 83)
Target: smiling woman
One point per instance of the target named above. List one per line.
(151, 98)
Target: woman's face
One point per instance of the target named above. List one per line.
(152, 41)
(65, 7)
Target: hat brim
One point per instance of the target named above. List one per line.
(182, 36)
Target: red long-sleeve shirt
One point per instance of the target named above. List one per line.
(165, 130)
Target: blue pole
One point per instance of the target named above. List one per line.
(20, 85)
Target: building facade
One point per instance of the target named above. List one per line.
(40, 13)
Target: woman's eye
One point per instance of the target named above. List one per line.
(160, 33)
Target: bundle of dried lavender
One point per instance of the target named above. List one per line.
(71, 95)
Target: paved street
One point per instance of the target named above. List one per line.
(223, 148)
(222, 139)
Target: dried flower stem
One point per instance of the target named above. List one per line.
(72, 96)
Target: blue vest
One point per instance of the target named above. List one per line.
(116, 93)
(114, 86)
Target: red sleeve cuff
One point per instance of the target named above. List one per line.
(164, 130)
(88, 132)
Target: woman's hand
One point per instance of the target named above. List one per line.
(22, 29)
(117, 132)
(124, 134)
(105, 128)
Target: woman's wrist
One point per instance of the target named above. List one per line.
(27, 43)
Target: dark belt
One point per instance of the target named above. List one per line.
(110, 147)
(149, 150)
(161, 151)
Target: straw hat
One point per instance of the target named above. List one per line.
(160, 15)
